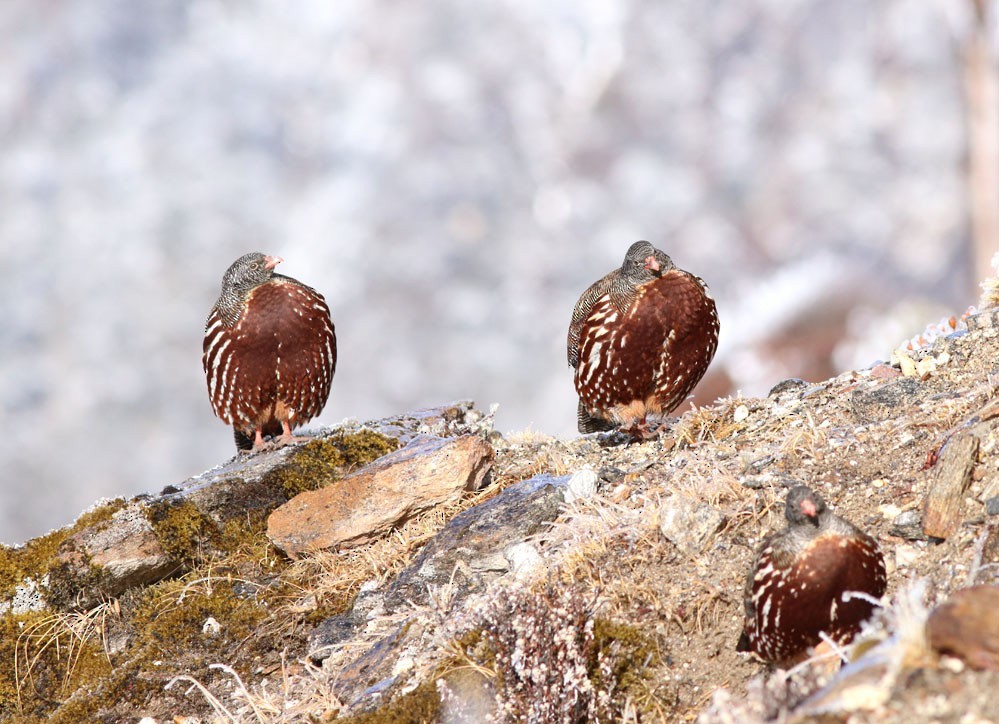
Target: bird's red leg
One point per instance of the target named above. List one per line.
(258, 440)
(287, 436)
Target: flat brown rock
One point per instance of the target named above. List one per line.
(967, 626)
(427, 472)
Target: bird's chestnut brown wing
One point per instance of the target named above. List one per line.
(307, 357)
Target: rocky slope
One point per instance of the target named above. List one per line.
(468, 573)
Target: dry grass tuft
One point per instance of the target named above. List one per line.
(696, 426)
(68, 635)
(990, 287)
(527, 438)
(590, 527)
(524, 457)
(305, 694)
(805, 441)
(708, 424)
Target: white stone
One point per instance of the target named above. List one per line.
(905, 555)
(403, 664)
(524, 559)
(889, 511)
(582, 484)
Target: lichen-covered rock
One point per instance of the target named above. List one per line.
(154, 536)
(688, 523)
(462, 556)
(123, 552)
(876, 401)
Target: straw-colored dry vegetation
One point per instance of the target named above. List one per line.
(618, 623)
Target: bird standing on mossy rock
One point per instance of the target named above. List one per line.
(269, 352)
(803, 579)
(640, 339)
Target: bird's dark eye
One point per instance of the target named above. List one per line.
(255, 265)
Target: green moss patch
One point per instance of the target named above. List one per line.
(419, 706)
(176, 627)
(621, 657)
(184, 533)
(46, 658)
(323, 461)
(171, 621)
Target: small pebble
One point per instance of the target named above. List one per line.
(905, 363)
(582, 485)
(908, 525)
(889, 511)
(524, 559)
(906, 555)
(403, 664)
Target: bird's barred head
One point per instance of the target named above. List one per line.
(249, 271)
(804, 507)
(644, 262)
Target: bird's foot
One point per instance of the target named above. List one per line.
(282, 440)
(642, 431)
(287, 437)
(260, 443)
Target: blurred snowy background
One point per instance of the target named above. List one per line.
(451, 175)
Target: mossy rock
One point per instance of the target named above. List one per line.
(66, 582)
(325, 460)
(185, 534)
(38, 556)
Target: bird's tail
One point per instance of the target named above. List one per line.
(588, 423)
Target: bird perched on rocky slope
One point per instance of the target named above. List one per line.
(800, 581)
(269, 352)
(640, 339)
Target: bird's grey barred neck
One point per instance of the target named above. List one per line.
(244, 275)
